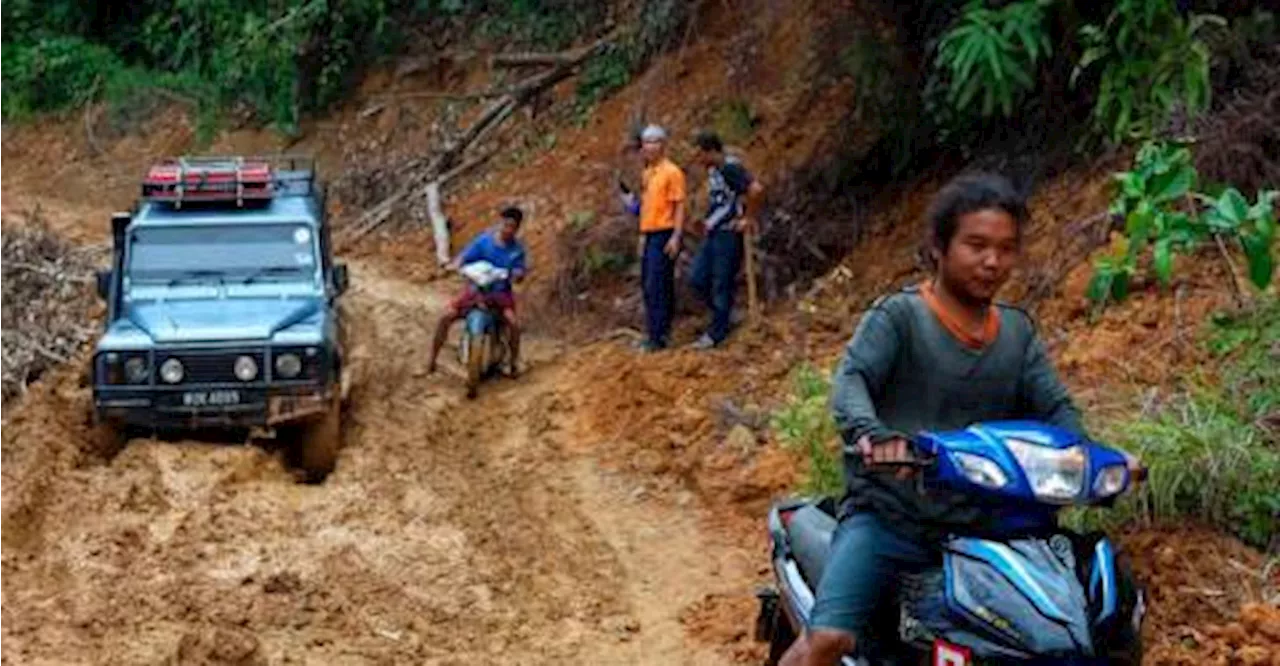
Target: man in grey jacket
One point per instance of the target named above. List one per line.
(940, 355)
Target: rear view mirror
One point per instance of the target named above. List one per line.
(104, 284)
(340, 278)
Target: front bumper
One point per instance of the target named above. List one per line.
(167, 407)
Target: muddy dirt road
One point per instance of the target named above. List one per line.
(452, 532)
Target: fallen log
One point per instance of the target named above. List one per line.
(495, 114)
(383, 210)
(530, 59)
(440, 223)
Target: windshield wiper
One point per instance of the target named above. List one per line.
(269, 270)
(196, 274)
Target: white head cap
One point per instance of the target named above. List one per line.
(653, 133)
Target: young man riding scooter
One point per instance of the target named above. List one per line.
(500, 247)
(941, 355)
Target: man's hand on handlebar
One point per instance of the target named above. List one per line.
(895, 453)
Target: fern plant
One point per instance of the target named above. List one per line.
(992, 54)
(1151, 62)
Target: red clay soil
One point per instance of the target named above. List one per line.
(1212, 600)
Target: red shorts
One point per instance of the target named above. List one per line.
(469, 298)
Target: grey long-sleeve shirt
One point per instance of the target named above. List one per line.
(904, 372)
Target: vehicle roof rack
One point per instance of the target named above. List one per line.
(241, 180)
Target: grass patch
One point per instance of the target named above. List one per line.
(804, 424)
(1213, 448)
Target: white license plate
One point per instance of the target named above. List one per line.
(946, 654)
(210, 398)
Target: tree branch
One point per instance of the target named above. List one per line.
(494, 115)
(1231, 269)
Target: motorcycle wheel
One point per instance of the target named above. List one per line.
(474, 356)
(1123, 646)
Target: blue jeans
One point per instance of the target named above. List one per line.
(715, 277)
(658, 279)
(865, 556)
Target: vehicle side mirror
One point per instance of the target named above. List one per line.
(104, 284)
(340, 278)
(119, 223)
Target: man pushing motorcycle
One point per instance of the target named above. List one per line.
(500, 247)
(937, 356)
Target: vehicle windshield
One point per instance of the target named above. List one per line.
(226, 253)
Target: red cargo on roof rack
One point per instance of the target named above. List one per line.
(199, 179)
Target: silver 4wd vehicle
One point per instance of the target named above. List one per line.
(222, 307)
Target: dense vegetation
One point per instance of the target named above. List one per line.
(277, 61)
(1028, 88)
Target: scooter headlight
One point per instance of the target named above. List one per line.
(982, 471)
(1055, 475)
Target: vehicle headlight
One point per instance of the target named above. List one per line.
(171, 371)
(1055, 475)
(246, 368)
(136, 370)
(980, 470)
(288, 366)
(1111, 480)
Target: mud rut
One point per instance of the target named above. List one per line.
(451, 532)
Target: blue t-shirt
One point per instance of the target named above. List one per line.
(487, 247)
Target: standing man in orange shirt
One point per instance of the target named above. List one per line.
(662, 227)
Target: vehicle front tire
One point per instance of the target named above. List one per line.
(319, 442)
(107, 439)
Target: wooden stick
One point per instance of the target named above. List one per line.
(562, 58)
(439, 94)
(439, 224)
(1231, 268)
(753, 303)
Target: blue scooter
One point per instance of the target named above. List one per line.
(1038, 596)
